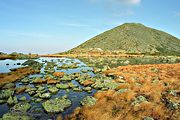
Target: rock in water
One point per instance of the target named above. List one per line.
(56, 105)
(23, 107)
(89, 100)
(16, 116)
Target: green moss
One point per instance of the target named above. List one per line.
(16, 116)
(89, 100)
(56, 105)
(23, 107)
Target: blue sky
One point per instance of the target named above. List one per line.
(51, 26)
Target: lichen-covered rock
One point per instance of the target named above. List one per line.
(77, 89)
(56, 105)
(105, 68)
(23, 98)
(173, 105)
(16, 116)
(53, 89)
(22, 107)
(50, 70)
(62, 86)
(45, 95)
(148, 118)
(87, 82)
(34, 64)
(96, 70)
(122, 90)
(21, 89)
(111, 85)
(71, 85)
(38, 80)
(87, 88)
(30, 89)
(38, 100)
(139, 99)
(106, 84)
(2, 101)
(4, 94)
(40, 88)
(52, 81)
(9, 85)
(25, 80)
(68, 66)
(89, 100)
(84, 71)
(172, 92)
(98, 85)
(66, 78)
(12, 100)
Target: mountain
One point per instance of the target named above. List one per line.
(132, 38)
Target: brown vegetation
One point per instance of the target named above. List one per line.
(158, 89)
(58, 74)
(16, 74)
(87, 82)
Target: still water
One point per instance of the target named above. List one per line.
(75, 97)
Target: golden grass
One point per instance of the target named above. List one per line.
(152, 84)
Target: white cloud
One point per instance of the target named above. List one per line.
(133, 2)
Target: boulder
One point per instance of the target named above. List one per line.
(25, 80)
(56, 105)
(45, 95)
(87, 88)
(33, 64)
(12, 100)
(88, 82)
(9, 85)
(52, 81)
(139, 100)
(2, 101)
(22, 107)
(53, 89)
(39, 80)
(89, 100)
(16, 116)
(4, 94)
(23, 98)
(62, 86)
(77, 89)
(66, 78)
(58, 74)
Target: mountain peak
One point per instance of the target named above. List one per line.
(133, 38)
